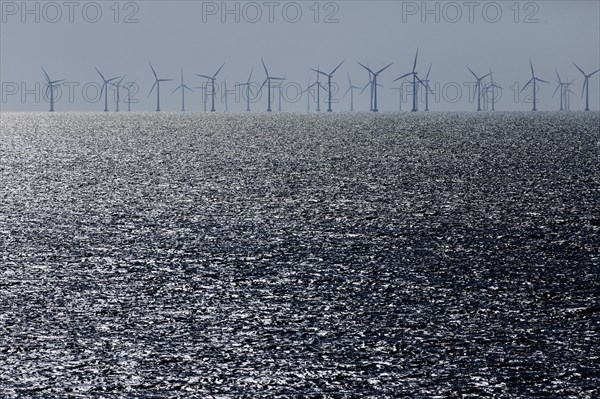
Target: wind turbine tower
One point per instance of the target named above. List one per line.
(50, 85)
(329, 76)
(212, 80)
(157, 85)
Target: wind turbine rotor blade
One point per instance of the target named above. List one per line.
(403, 76)
(349, 81)
(321, 72)
(110, 80)
(415, 64)
(585, 83)
(527, 84)
(344, 96)
(429, 70)
(473, 73)
(337, 67)
(204, 76)
(557, 75)
(384, 68)
(165, 80)
(102, 76)
(484, 76)
(596, 71)
(153, 71)
(531, 65)
(152, 89)
(250, 77)
(56, 82)
(121, 81)
(46, 75)
(367, 68)
(541, 80)
(265, 67)
(555, 90)
(219, 70)
(580, 70)
(364, 88)
(263, 85)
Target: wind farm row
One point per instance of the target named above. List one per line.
(486, 89)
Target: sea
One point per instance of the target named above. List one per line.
(342, 255)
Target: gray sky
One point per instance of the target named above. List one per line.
(500, 35)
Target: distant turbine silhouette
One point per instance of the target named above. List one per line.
(226, 94)
(279, 87)
(425, 83)
(308, 86)
(586, 86)
(351, 90)
(212, 80)
(534, 79)
(493, 87)
(157, 85)
(374, 75)
(268, 82)
(117, 86)
(400, 90)
(128, 88)
(414, 74)
(329, 76)
(478, 86)
(204, 89)
(562, 86)
(50, 85)
(105, 88)
(319, 86)
(307, 91)
(248, 90)
(183, 88)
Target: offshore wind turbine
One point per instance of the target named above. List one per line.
(414, 74)
(226, 94)
(118, 85)
(310, 86)
(562, 86)
(491, 87)
(204, 89)
(183, 88)
(534, 79)
(478, 86)
(400, 91)
(586, 86)
(279, 87)
(369, 84)
(373, 82)
(105, 88)
(319, 86)
(50, 85)
(329, 76)
(268, 82)
(425, 83)
(248, 90)
(157, 85)
(128, 88)
(212, 79)
(351, 90)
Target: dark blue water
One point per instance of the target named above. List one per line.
(299, 256)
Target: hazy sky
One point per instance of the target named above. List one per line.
(70, 38)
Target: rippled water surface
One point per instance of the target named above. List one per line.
(299, 256)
